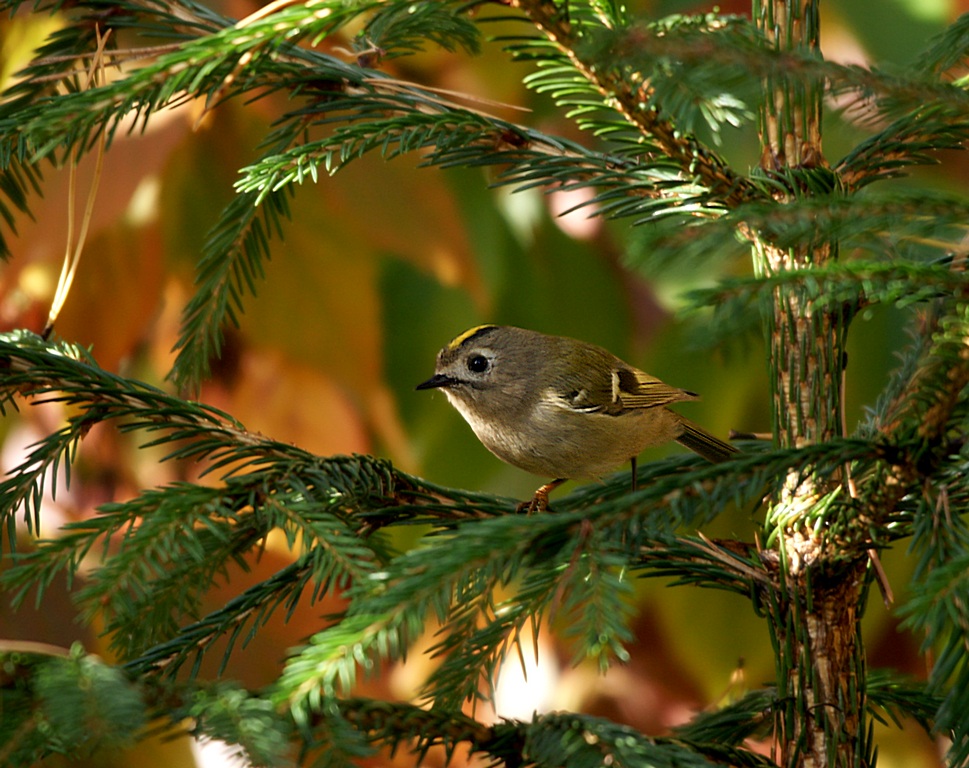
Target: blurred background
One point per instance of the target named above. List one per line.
(380, 266)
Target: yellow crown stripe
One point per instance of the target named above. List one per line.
(459, 340)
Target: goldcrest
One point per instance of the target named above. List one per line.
(561, 408)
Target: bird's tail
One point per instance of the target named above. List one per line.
(702, 442)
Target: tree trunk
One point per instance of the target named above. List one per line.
(815, 613)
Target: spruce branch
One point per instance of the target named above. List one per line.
(94, 706)
(219, 65)
(905, 227)
(729, 565)
(924, 411)
(18, 181)
(141, 591)
(916, 138)
(65, 703)
(402, 28)
(550, 562)
(933, 411)
(937, 610)
(629, 98)
(840, 286)
(358, 726)
(702, 69)
(584, 742)
(392, 725)
(946, 50)
(894, 696)
(62, 373)
(186, 533)
(890, 697)
(438, 578)
(231, 262)
(230, 713)
(547, 740)
(455, 136)
(252, 608)
(732, 724)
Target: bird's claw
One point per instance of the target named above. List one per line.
(539, 502)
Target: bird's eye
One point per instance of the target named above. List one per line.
(478, 364)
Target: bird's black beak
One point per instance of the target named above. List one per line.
(437, 380)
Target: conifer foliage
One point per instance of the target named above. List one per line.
(827, 237)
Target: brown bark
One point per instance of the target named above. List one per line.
(816, 610)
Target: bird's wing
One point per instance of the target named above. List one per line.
(640, 390)
(613, 389)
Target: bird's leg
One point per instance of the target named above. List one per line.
(539, 502)
(632, 463)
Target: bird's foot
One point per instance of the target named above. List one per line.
(539, 502)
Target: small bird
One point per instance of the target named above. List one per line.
(561, 408)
